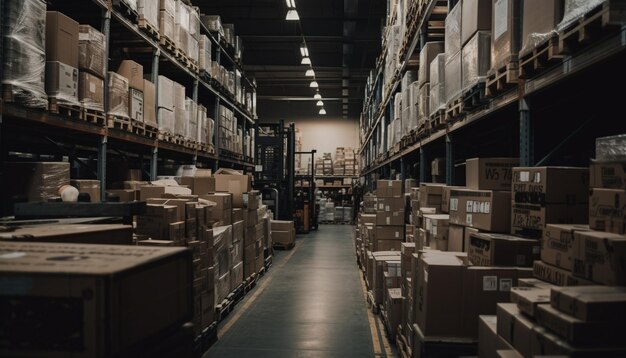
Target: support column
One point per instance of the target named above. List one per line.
(422, 165)
(527, 140)
(154, 160)
(102, 166)
(449, 160)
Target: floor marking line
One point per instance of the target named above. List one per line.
(259, 289)
(372, 323)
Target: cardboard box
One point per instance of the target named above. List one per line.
(386, 245)
(506, 25)
(91, 91)
(488, 249)
(62, 82)
(199, 184)
(394, 218)
(445, 198)
(533, 282)
(607, 175)
(600, 257)
(467, 233)
(487, 336)
(131, 276)
(557, 246)
(515, 328)
(438, 302)
(61, 39)
(529, 298)
(252, 199)
(539, 17)
(427, 55)
(91, 187)
(607, 210)
(389, 188)
(283, 237)
(481, 209)
(591, 303)
(165, 97)
(124, 195)
(476, 17)
(431, 195)
(557, 276)
(456, 238)
(105, 234)
(133, 72)
(233, 182)
(407, 249)
(149, 103)
(489, 173)
(389, 232)
(548, 195)
(135, 104)
(390, 204)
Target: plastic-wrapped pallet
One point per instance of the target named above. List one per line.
(229, 33)
(202, 125)
(92, 46)
(427, 55)
(476, 59)
(575, 9)
(194, 23)
(540, 19)
(148, 11)
(194, 49)
(210, 130)
(181, 27)
(167, 19)
(118, 95)
(329, 211)
(413, 106)
(408, 78)
(437, 83)
(423, 107)
(180, 123)
(204, 60)
(213, 23)
(91, 91)
(505, 38)
(191, 111)
(453, 77)
(24, 64)
(611, 148)
(132, 4)
(453, 29)
(397, 106)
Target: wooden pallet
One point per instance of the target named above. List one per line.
(278, 246)
(11, 94)
(205, 340)
(436, 121)
(540, 58)
(371, 304)
(166, 137)
(118, 122)
(148, 28)
(167, 44)
(151, 131)
(126, 10)
(454, 109)
(262, 271)
(502, 79)
(401, 343)
(250, 283)
(604, 18)
(94, 116)
(56, 106)
(474, 98)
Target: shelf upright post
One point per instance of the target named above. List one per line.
(102, 145)
(527, 139)
(194, 97)
(154, 159)
(216, 136)
(422, 165)
(449, 160)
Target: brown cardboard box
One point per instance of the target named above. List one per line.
(155, 222)
(557, 246)
(252, 199)
(607, 210)
(431, 195)
(393, 308)
(438, 303)
(91, 50)
(238, 215)
(62, 81)
(125, 195)
(234, 182)
(548, 195)
(112, 234)
(199, 185)
(394, 218)
(151, 191)
(481, 209)
(389, 188)
(456, 238)
(281, 225)
(407, 249)
(149, 103)
(131, 276)
(528, 298)
(600, 257)
(250, 218)
(91, 187)
(380, 260)
(390, 204)
(515, 328)
(367, 218)
(483, 289)
(539, 17)
(445, 198)
(389, 233)
(223, 210)
(533, 282)
(557, 276)
(437, 227)
(476, 17)
(502, 250)
(467, 233)
(133, 72)
(591, 303)
(607, 175)
(61, 39)
(283, 237)
(91, 91)
(487, 336)
(489, 173)
(506, 25)
(386, 245)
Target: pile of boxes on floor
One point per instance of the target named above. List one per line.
(467, 248)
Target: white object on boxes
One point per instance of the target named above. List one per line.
(62, 82)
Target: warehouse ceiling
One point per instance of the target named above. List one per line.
(343, 38)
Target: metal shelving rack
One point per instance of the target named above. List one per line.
(39, 132)
(555, 113)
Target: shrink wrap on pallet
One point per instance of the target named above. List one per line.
(36, 181)
(573, 10)
(191, 111)
(436, 100)
(611, 148)
(180, 117)
(166, 120)
(213, 23)
(24, 64)
(453, 29)
(91, 50)
(165, 97)
(91, 91)
(202, 125)
(424, 104)
(148, 10)
(540, 19)
(506, 29)
(204, 56)
(118, 95)
(167, 19)
(427, 55)
(438, 70)
(476, 59)
(211, 131)
(453, 80)
(194, 23)
(193, 49)
(408, 78)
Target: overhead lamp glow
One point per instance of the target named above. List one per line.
(291, 4)
(305, 61)
(314, 84)
(304, 51)
(323, 112)
(320, 104)
(292, 15)
(317, 96)
(310, 73)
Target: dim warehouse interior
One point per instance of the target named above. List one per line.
(299, 178)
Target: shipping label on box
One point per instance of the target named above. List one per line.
(607, 210)
(599, 257)
(502, 250)
(557, 276)
(607, 175)
(482, 209)
(394, 218)
(591, 303)
(557, 245)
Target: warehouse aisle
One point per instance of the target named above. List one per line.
(310, 305)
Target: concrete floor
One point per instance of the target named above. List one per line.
(311, 304)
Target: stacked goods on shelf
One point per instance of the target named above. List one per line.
(148, 12)
(437, 99)
(181, 27)
(133, 72)
(427, 80)
(392, 58)
(339, 162)
(149, 104)
(351, 165)
(539, 21)
(61, 60)
(204, 55)
(194, 34)
(389, 229)
(452, 77)
(167, 20)
(191, 118)
(408, 116)
(505, 44)
(230, 135)
(165, 103)
(91, 64)
(25, 53)
(118, 97)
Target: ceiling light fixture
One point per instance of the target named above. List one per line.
(314, 84)
(320, 104)
(304, 50)
(292, 15)
(317, 96)
(305, 61)
(310, 73)
(291, 4)
(322, 111)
